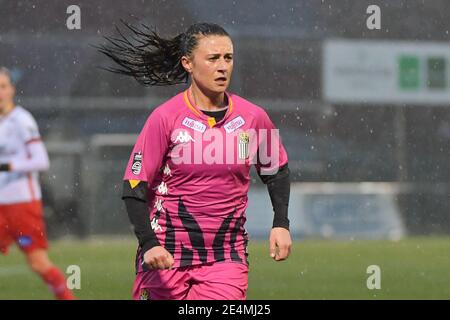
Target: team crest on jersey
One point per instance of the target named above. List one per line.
(244, 139)
(144, 295)
(234, 124)
(194, 125)
(137, 163)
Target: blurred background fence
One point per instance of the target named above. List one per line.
(364, 114)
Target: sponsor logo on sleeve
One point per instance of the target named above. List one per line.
(137, 163)
(234, 124)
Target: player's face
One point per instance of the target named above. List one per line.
(7, 91)
(211, 63)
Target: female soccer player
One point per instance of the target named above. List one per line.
(186, 183)
(22, 156)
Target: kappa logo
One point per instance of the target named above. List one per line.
(155, 225)
(158, 205)
(167, 170)
(137, 163)
(162, 188)
(194, 125)
(183, 137)
(234, 124)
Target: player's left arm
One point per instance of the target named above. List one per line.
(276, 175)
(37, 157)
(279, 186)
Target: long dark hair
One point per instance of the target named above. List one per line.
(151, 59)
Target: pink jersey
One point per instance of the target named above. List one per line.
(197, 173)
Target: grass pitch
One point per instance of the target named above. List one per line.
(414, 268)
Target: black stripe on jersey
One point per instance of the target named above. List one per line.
(157, 215)
(169, 241)
(186, 256)
(219, 239)
(193, 230)
(237, 227)
(246, 246)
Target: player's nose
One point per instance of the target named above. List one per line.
(223, 65)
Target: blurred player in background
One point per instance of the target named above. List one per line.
(189, 217)
(22, 156)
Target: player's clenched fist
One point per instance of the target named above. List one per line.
(280, 244)
(158, 258)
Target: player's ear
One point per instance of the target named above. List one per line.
(187, 64)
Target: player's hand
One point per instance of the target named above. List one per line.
(158, 258)
(5, 167)
(280, 243)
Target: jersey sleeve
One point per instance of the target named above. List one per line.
(149, 151)
(271, 152)
(28, 129)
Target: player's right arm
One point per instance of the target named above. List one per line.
(143, 165)
(135, 198)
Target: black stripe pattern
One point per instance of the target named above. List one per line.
(194, 231)
(219, 239)
(169, 241)
(234, 233)
(186, 256)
